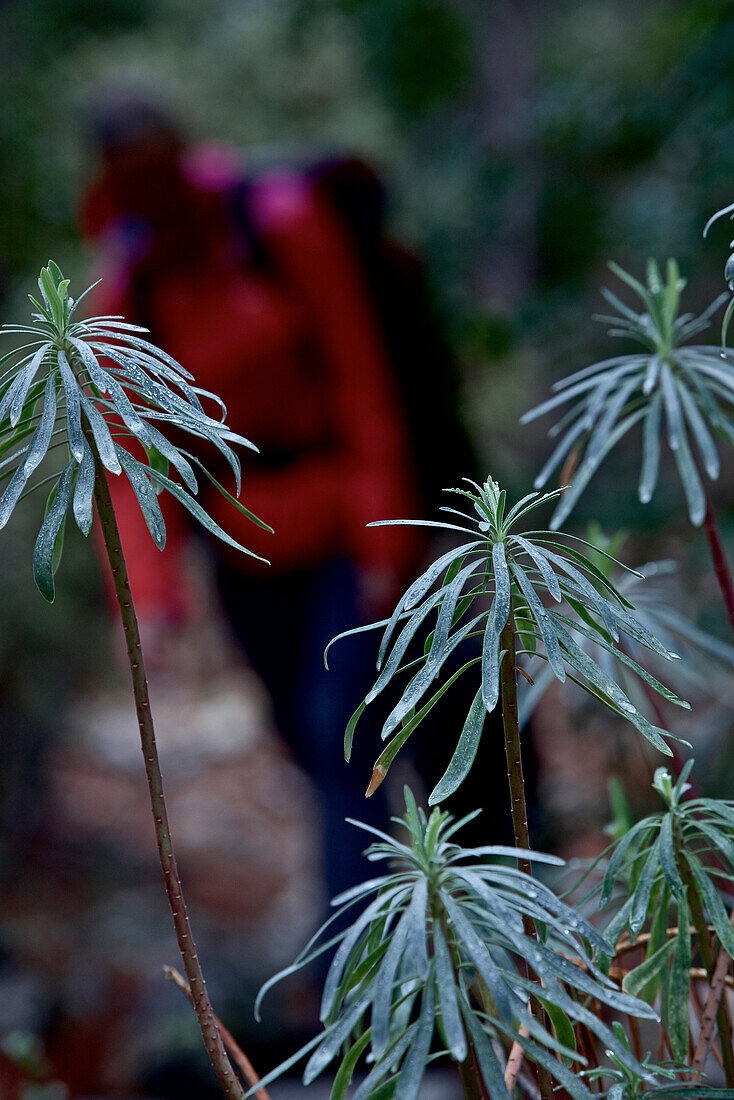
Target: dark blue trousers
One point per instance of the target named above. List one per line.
(283, 625)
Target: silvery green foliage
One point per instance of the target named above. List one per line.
(728, 270)
(407, 975)
(656, 597)
(472, 592)
(683, 390)
(646, 863)
(628, 1084)
(74, 385)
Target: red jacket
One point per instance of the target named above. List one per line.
(295, 352)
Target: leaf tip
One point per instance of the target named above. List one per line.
(378, 774)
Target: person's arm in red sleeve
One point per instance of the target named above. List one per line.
(372, 463)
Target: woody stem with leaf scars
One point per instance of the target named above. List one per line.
(513, 754)
(199, 996)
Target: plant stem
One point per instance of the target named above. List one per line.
(710, 1011)
(718, 554)
(708, 957)
(513, 755)
(246, 1067)
(513, 752)
(472, 1081)
(199, 996)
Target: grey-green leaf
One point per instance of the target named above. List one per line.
(73, 411)
(84, 492)
(102, 437)
(680, 984)
(496, 623)
(43, 552)
(447, 1002)
(464, 754)
(414, 1065)
(146, 497)
(25, 377)
(198, 513)
(42, 435)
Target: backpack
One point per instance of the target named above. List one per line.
(424, 366)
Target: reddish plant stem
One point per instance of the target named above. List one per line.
(199, 996)
(513, 756)
(246, 1067)
(513, 751)
(718, 555)
(472, 1081)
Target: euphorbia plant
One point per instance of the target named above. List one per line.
(497, 588)
(672, 867)
(68, 394)
(436, 958)
(671, 387)
(494, 588)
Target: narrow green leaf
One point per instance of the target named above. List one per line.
(636, 980)
(414, 1065)
(586, 471)
(703, 437)
(84, 492)
(496, 623)
(453, 1028)
(10, 497)
(464, 754)
(102, 437)
(43, 552)
(650, 450)
(346, 1070)
(667, 857)
(492, 1074)
(386, 757)
(349, 732)
(138, 477)
(384, 985)
(545, 623)
(199, 514)
(643, 889)
(680, 984)
(713, 904)
(73, 412)
(42, 435)
(23, 383)
(672, 409)
(562, 1026)
(228, 496)
(692, 487)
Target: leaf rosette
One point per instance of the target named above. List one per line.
(670, 388)
(435, 963)
(669, 867)
(542, 585)
(82, 388)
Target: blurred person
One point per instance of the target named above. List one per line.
(254, 285)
